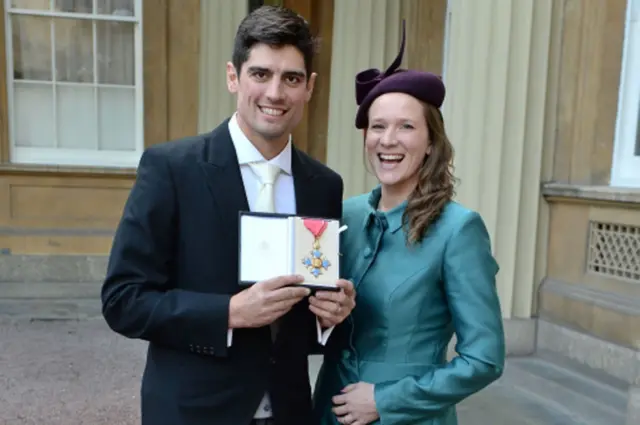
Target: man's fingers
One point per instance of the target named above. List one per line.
(322, 314)
(280, 281)
(282, 305)
(346, 285)
(328, 306)
(274, 314)
(328, 296)
(293, 292)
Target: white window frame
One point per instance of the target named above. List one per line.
(625, 171)
(77, 157)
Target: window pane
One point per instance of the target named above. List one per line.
(116, 53)
(31, 48)
(76, 117)
(74, 50)
(31, 4)
(75, 6)
(33, 114)
(116, 7)
(117, 118)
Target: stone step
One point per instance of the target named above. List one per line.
(52, 268)
(48, 290)
(50, 300)
(585, 395)
(49, 309)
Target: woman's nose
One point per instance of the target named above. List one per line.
(388, 138)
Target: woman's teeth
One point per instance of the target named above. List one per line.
(390, 158)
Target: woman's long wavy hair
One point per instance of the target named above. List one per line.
(436, 182)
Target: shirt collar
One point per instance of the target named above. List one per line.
(247, 152)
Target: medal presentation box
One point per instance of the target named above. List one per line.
(273, 244)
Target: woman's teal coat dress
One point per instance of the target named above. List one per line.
(410, 301)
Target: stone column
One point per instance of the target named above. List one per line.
(219, 21)
(366, 33)
(496, 75)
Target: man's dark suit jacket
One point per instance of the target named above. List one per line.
(172, 271)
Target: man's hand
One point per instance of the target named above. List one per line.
(356, 405)
(333, 307)
(264, 302)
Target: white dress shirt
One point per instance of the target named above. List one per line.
(284, 197)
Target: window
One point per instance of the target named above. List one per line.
(626, 156)
(75, 82)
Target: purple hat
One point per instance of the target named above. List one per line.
(370, 84)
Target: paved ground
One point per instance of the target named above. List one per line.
(73, 373)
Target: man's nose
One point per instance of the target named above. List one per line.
(274, 90)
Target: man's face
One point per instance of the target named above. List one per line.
(272, 90)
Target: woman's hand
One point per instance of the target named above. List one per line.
(356, 405)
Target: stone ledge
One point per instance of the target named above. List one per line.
(607, 300)
(586, 193)
(53, 170)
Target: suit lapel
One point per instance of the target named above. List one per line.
(224, 180)
(303, 183)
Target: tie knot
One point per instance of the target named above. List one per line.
(266, 172)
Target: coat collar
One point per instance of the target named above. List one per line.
(392, 219)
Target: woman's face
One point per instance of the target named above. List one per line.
(397, 140)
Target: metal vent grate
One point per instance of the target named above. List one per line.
(614, 250)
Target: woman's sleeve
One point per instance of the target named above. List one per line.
(469, 275)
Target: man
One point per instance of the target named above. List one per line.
(220, 354)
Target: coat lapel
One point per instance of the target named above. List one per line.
(220, 164)
(303, 184)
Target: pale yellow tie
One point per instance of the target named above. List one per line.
(267, 174)
(265, 201)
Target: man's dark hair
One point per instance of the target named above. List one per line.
(277, 27)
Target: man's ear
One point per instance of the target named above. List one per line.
(311, 82)
(232, 78)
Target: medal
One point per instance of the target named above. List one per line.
(316, 261)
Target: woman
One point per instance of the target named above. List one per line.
(422, 267)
